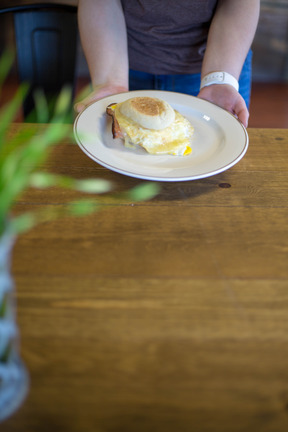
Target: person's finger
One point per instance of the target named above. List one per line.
(97, 94)
(79, 106)
(241, 112)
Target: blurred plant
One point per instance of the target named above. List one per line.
(22, 154)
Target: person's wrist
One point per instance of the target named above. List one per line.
(219, 77)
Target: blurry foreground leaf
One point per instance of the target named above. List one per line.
(6, 62)
(43, 180)
(8, 112)
(63, 104)
(22, 223)
(84, 93)
(144, 191)
(42, 108)
(82, 208)
(93, 186)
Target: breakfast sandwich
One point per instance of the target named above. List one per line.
(153, 124)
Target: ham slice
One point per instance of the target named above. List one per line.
(116, 130)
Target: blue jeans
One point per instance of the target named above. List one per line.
(189, 84)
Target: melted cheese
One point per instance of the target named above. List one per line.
(173, 140)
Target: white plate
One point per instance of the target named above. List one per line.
(219, 140)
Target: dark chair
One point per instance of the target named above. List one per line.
(46, 46)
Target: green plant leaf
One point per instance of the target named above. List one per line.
(84, 93)
(82, 208)
(22, 223)
(6, 61)
(43, 180)
(144, 191)
(9, 111)
(93, 186)
(62, 105)
(41, 106)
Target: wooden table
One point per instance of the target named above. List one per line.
(168, 315)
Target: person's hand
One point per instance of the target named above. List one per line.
(98, 93)
(228, 98)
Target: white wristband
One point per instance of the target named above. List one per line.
(219, 78)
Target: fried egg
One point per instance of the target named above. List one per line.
(174, 139)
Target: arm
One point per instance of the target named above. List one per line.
(230, 37)
(104, 40)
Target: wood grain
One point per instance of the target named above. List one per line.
(166, 315)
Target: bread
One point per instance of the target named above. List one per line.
(148, 112)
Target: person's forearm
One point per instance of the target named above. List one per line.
(230, 36)
(104, 41)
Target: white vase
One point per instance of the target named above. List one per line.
(14, 379)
